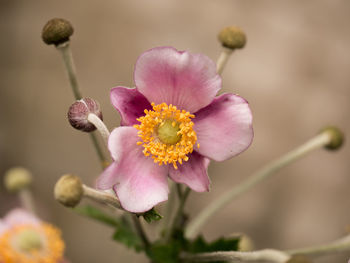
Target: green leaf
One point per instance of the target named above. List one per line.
(96, 214)
(125, 234)
(151, 215)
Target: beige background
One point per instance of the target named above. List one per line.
(294, 72)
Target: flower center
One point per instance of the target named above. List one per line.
(31, 244)
(167, 134)
(29, 240)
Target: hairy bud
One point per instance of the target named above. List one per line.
(232, 37)
(79, 111)
(17, 178)
(57, 31)
(69, 190)
(337, 138)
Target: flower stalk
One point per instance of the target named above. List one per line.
(266, 255)
(101, 127)
(101, 197)
(222, 60)
(67, 57)
(26, 199)
(321, 140)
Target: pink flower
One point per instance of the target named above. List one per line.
(26, 239)
(172, 124)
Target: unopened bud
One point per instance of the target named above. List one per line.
(245, 242)
(337, 137)
(299, 259)
(69, 190)
(17, 178)
(79, 111)
(57, 31)
(232, 37)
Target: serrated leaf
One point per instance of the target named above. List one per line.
(96, 214)
(151, 215)
(125, 234)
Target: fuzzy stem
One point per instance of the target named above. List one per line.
(178, 214)
(140, 231)
(101, 197)
(222, 60)
(265, 255)
(317, 142)
(67, 57)
(101, 127)
(339, 245)
(26, 199)
(69, 65)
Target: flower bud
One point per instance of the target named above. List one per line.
(69, 190)
(232, 37)
(337, 138)
(299, 259)
(245, 242)
(79, 111)
(17, 178)
(57, 31)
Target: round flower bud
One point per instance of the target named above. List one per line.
(232, 37)
(17, 178)
(69, 190)
(57, 31)
(79, 111)
(299, 259)
(337, 138)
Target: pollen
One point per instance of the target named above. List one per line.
(167, 134)
(27, 243)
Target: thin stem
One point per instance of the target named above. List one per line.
(222, 60)
(315, 143)
(339, 245)
(69, 65)
(67, 57)
(101, 127)
(26, 199)
(269, 255)
(101, 197)
(178, 214)
(169, 209)
(140, 231)
(179, 191)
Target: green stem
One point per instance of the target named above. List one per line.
(178, 215)
(70, 68)
(317, 142)
(140, 231)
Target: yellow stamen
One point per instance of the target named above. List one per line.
(167, 134)
(26, 243)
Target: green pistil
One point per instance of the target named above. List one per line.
(167, 133)
(29, 240)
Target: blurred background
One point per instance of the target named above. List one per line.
(294, 71)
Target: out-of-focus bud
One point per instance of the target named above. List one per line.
(57, 31)
(69, 190)
(232, 37)
(17, 178)
(299, 259)
(79, 111)
(337, 137)
(245, 242)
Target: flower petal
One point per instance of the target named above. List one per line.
(20, 216)
(130, 103)
(139, 183)
(224, 128)
(193, 173)
(188, 81)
